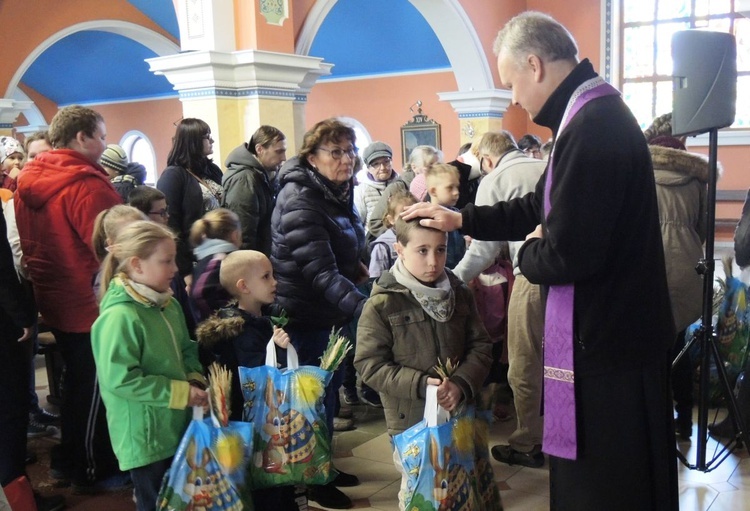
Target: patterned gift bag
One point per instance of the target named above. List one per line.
(484, 477)
(437, 460)
(291, 442)
(208, 471)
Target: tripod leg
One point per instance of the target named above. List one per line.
(733, 407)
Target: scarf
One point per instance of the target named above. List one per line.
(438, 302)
(560, 436)
(212, 246)
(142, 293)
(339, 193)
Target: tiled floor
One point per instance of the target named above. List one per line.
(723, 489)
(366, 452)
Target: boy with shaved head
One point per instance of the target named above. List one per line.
(237, 336)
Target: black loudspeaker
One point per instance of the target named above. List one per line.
(705, 81)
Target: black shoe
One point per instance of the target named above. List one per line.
(111, 484)
(43, 416)
(329, 496)
(507, 454)
(351, 397)
(370, 397)
(683, 428)
(345, 480)
(51, 503)
(37, 429)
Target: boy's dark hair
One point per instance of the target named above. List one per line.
(143, 196)
(529, 142)
(404, 228)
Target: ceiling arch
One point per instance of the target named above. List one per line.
(447, 20)
(152, 42)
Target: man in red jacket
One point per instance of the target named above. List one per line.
(58, 197)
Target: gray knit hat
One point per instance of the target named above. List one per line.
(115, 158)
(376, 150)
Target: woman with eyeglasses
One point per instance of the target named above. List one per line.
(191, 184)
(317, 242)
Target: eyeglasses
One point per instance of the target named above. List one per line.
(162, 213)
(533, 152)
(383, 163)
(337, 153)
(207, 136)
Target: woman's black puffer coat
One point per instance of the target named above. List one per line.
(318, 239)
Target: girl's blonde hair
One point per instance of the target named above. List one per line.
(139, 239)
(108, 224)
(218, 224)
(399, 198)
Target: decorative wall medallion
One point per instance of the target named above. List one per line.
(468, 129)
(275, 11)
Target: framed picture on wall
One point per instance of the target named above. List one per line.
(421, 130)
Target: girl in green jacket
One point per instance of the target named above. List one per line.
(147, 366)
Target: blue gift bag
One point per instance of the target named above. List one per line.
(291, 441)
(208, 470)
(437, 460)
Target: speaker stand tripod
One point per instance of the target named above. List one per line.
(706, 338)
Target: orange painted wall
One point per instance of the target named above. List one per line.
(382, 105)
(152, 118)
(300, 10)
(47, 107)
(252, 31)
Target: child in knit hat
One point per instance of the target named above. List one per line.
(124, 175)
(11, 161)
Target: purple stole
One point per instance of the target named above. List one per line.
(559, 378)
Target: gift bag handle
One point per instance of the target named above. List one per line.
(197, 413)
(434, 414)
(292, 361)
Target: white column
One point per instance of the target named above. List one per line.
(206, 25)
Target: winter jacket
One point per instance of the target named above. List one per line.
(237, 338)
(16, 310)
(317, 245)
(375, 225)
(382, 255)
(602, 233)
(185, 204)
(134, 175)
(681, 180)
(207, 293)
(124, 184)
(59, 195)
(248, 191)
(368, 192)
(515, 175)
(468, 182)
(398, 344)
(144, 361)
